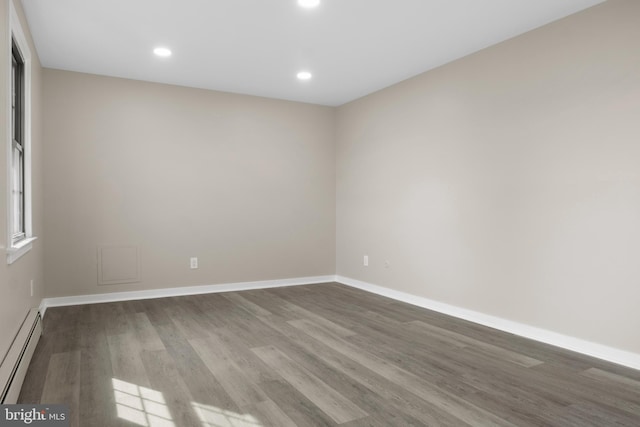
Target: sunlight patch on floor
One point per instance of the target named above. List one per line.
(141, 405)
(216, 417)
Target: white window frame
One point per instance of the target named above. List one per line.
(17, 249)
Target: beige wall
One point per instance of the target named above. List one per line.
(245, 184)
(507, 182)
(15, 299)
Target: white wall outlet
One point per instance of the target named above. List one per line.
(31, 287)
(387, 264)
(365, 261)
(193, 263)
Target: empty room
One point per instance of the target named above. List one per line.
(250, 213)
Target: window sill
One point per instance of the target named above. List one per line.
(19, 249)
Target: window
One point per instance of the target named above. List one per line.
(20, 236)
(18, 231)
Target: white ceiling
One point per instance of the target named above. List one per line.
(352, 47)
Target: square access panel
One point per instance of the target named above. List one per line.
(118, 264)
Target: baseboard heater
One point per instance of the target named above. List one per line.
(15, 364)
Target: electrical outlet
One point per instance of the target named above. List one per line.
(31, 287)
(387, 264)
(365, 261)
(194, 263)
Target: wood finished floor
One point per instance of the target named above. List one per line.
(319, 355)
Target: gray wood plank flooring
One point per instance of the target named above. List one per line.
(317, 355)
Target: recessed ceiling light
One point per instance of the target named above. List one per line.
(304, 75)
(162, 51)
(308, 3)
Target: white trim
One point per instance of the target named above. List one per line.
(173, 292)
(19, 249)
(15, 251)
(42, 307)
(600, 351)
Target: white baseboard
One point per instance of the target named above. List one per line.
(600, 351)
(173, 292)
(43, 307)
